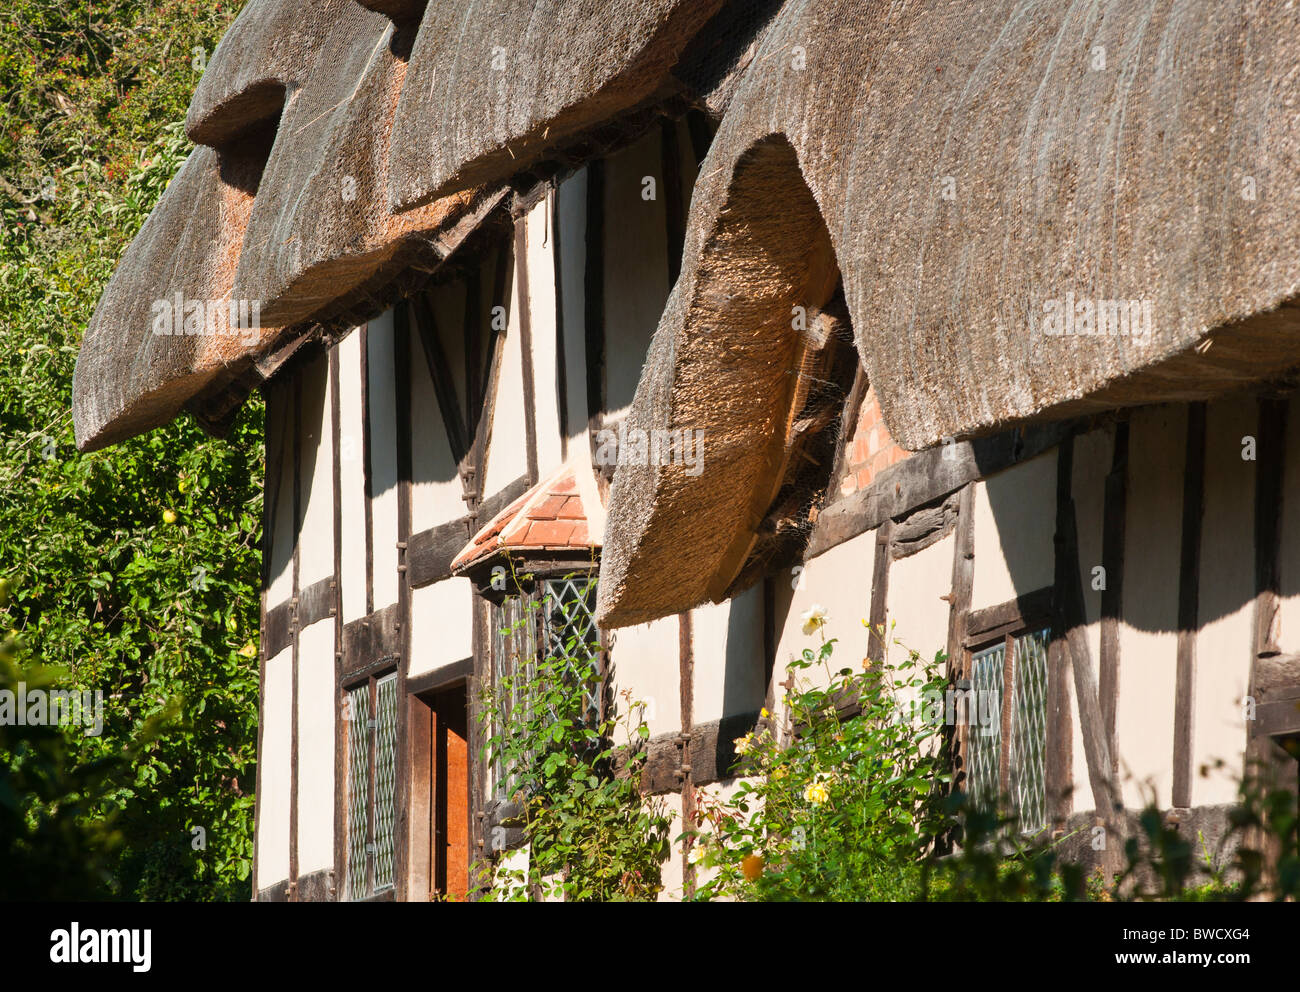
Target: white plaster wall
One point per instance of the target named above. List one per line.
(316, 549)
(441, 625)
(647, 659)
(917, 619)
(352, 493)
(1093, 453)
(917, 616)
(273, 762)
(839, 581)
(540, 240)
(382, 369)
(279, 453)
(435, 478)
(1225, 602)
(671, 873)
(636, 266)
(448, 301)
(729, 656)
(1015, 523)
(507, 454)
(1144, 720)
(316, 715)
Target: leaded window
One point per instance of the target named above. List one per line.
(1007, 727)
(370, 712)
(555, 618)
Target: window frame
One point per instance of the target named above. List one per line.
(1005, 625)
(370, 681)
(530, 581)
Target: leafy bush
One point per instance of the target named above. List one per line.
(591, 836)
(846, 809)
(858, 807)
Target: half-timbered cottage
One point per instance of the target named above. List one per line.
(977, 323)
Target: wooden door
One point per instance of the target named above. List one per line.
(440, 794)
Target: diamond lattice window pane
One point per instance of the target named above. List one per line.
(514, 654)
(569, 609)
(385, 779)
(985, 731)
(1029, 731)
(358, 711)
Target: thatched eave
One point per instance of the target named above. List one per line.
(493, 87)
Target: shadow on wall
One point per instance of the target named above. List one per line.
(1023, 502)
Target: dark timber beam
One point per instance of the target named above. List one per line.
(524, 304)
(405, 458)
(880, 593)
(1189, 577)
(1114, 525)
(959, 601)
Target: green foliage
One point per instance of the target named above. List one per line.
(133, 571)
(591, 836)
(844, 811)
(48, 843)
(859, 809)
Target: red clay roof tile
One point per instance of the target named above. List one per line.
(549, 516)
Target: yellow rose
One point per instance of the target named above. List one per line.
(752, 866)
(816, 793)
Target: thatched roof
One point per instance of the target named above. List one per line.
(288, 205)
(933, 176)
(1114, 183)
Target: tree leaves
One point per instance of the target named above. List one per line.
(103, 586)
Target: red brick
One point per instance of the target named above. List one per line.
(864, 477)
(580, 535)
